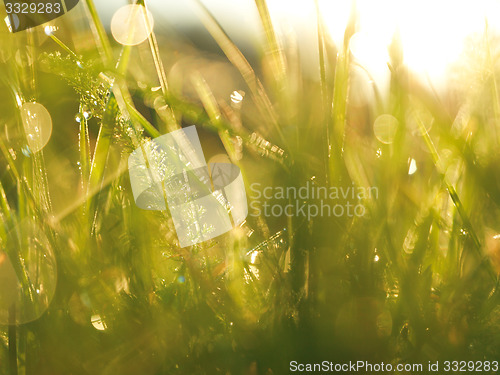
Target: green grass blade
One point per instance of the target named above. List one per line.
(235, 56)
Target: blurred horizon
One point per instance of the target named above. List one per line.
(430, 45)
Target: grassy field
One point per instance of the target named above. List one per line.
(92, 284)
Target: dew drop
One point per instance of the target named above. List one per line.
(78, 117)
(19, 100)
(49, 30)
(253, 257)
(98, 323)
(413, 167)
(12, 153)
(237, 96)
(26, 151)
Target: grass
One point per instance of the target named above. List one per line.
(412, 281)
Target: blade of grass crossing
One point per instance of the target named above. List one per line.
(324, 89)
(339, 105)
(276, 52)
(453, 194)
(235, 56)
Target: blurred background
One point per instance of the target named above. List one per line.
(433, 33)
(402, 96)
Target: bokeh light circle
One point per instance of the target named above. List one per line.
(28, 275)
(385, 128)
(132, 24)
(37, 125)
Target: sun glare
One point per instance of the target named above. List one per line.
(432, 32)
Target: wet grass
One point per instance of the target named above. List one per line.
(413, 280)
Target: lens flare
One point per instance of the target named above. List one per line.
(132, 24)
(37, 125)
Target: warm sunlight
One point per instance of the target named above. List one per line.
(429, 43)
(432, 32)
(258, 187)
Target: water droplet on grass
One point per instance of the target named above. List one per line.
(413, 167)
(19, 100)
(26, 151)
(49, 30)
(12, 153)
(86, 113)
(237, 96)
(98, 323)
